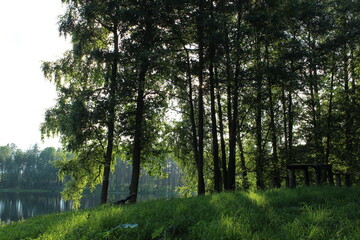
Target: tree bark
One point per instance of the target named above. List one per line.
(190, 101)
(221, 132)
(259, 169)
(192, 111)
(200, 36)
(217, 173)
(233, 103)
(285, 125)
(275, 160)
(231, 166)
(315, 105)
(214, 132)
(329, 119)
(224, 165)
(314, 117)
(138, 132)
(290, 126)
(245, 183)
(290, 118)
(348, 115)
(111, 120)
(140, 102)
(212, 52)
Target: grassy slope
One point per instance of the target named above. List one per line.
(304, 213)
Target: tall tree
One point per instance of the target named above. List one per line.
(90, 90)
(200, 41)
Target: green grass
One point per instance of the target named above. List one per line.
(303, 213)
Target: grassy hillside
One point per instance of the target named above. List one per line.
(303, 213)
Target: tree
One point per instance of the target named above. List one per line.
(255, 84)
(89, 96)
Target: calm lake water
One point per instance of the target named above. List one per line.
(15, 206)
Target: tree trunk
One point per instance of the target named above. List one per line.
(259, 169)
(191, 102)
(275, 160)
(212, 50)
(290, 119)
(315, 105)
(348, 116)
(139, 116)
(111, 120)
(314, 118)
(138, 132)
(233, 97)
(217, 173)
(290, 126)
(232, 138)
(200, 36)
(285, 125)
(192, 111)
(245, 183)
(329, 119)
(231, 166)
(221, 131)
(222, 10)
(354, 99)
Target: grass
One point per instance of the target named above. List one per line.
(303, 213)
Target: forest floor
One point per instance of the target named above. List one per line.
(302, 213)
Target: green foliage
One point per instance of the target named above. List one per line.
(286, 73)
(97, 82)
(303, 54)
(83, 174)
(303, 213)
(87, 83)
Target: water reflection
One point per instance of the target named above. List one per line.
(15, 206)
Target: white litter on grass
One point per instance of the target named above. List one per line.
(128, 225)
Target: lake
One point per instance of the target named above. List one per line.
(15, 206)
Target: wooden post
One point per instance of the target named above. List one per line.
(347, 179)
(292, 178)
(306, 176)
(287, 183)
(276, 181)
(338, 179)
(318, 175)
(331, 176)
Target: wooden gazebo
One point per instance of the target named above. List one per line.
(319, 169)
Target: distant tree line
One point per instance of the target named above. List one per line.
(233, 90)
(35, 169)
(30, 169)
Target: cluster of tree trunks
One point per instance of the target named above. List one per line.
(260, 85)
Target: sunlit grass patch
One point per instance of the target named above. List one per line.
(258, 198)
(303, 213)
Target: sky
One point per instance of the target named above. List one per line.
(28, 35)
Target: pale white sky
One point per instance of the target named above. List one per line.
(28, 35)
